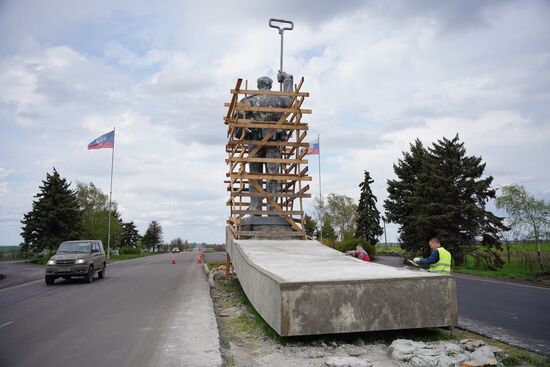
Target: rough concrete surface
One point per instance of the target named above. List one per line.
(305, 288)
(245, 344)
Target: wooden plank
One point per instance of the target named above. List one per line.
(268, 125)
(271, 233)
(266, 176)
(266, 160)
(244, 107)
(274, 213)
(270, 92)
(232, 143)
(233, 99)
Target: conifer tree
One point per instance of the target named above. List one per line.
(368, 217)
(55, 215)
(440, 192)
(153, 235)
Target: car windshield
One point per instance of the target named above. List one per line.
(83, 247)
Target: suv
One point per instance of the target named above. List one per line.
(82, 258)
(176, 250)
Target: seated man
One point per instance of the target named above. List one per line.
(359, 253)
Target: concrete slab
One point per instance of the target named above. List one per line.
(304, 288)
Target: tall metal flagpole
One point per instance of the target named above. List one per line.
(110, 195)
(320, 192)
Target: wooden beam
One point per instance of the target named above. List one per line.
(274, 213)
(271, 233)
(270, 92)
(270, 125)
(266, 160)
(231, 143)
(244, 107)
(267, 176)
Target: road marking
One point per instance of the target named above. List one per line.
(503, 282)
(6, 324)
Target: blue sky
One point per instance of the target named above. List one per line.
(380, 74)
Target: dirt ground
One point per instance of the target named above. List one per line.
(247, 341)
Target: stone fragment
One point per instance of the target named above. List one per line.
(475, 363)
(445, 361)
(423, 361)
(359, 342)
(347, 362)
(451, 348)
(499, 353)
(482, 354)
(472, 345)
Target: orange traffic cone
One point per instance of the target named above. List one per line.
(173, 261)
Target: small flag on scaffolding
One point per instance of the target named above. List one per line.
(313, 147)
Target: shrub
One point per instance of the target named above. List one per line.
(129, 251)
(351, 244)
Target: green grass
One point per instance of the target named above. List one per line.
(215, 264)
(382, 250)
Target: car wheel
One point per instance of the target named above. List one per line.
(49, 280)
(101, 273)
(90, 276)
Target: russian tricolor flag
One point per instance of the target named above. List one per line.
(104, 141)
(313, 147)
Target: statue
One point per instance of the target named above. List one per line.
(262, 100)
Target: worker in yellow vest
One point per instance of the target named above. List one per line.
(439, 260)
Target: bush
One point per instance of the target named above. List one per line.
(130, 251)
(351, 244)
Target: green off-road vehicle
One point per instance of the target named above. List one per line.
(82, 258)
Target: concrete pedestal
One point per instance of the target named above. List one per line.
(305, 288)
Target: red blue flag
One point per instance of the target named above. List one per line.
(313, 147)
(104, 141)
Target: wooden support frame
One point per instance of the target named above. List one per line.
(244, 186)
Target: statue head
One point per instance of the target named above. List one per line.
(264, 83)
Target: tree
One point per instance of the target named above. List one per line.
(310, 225)
(526, 214)
(440, 192)
(153, 235)
(341, 211)
(329, 234)
(95, 215)
(130, 235)
(177, 243)
(55, 216)
(368, 217)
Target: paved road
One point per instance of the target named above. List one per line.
(514, 313)
(146, 312)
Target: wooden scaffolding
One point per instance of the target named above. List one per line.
(293, 172)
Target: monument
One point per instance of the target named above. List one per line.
(298, 285)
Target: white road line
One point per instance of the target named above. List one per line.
(6, 324)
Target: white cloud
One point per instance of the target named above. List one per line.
(380, 75)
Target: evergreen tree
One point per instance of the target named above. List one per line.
(55, 216)
(401, 204)
(368, 217)
(130, 235)
(440, 192)
(310, 225)
(153, 235)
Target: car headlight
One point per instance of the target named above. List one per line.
(80, 261)
(51, 262)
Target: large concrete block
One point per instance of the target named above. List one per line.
(304, 288)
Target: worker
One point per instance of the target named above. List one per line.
(439, 260)
(359, 253)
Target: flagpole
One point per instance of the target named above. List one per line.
(110, 196)
(320, 192)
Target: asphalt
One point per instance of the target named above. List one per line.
(146, 312)
(515, 313)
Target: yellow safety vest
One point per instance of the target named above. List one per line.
(443, 266)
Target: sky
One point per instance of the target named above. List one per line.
(380, 74)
